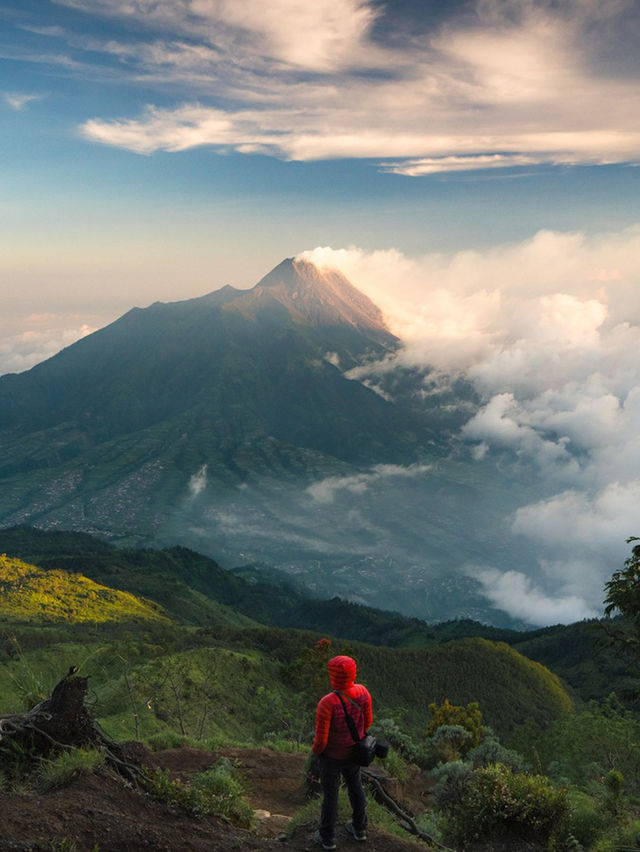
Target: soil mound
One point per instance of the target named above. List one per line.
(101, 812)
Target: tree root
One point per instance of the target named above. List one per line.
(407, 822)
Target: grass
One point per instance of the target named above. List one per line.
(61, 770)
(309, 817)
(216, 791)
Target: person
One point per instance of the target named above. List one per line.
(333, 744)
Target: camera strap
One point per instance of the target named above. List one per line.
(349, 718)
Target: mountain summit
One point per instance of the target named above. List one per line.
(323, 297)
(242, 381)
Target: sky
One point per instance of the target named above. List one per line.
(471, 165)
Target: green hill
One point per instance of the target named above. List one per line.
(195, 590)
(28, 593)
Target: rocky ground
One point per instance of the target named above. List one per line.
(100, 812)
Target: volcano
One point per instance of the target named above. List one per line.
(238, 423)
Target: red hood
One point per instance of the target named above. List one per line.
(342, 672)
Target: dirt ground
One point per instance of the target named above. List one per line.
(100, 812)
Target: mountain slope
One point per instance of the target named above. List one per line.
(28, 593)
(196, 591)
(232, 424)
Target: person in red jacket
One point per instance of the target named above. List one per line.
(334, 745)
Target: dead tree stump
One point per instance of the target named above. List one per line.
(60, 722)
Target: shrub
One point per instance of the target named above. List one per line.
(586, 818)
(492, 751)
(469, 717)
(493, 802)
(449, 742)
(216, 791)
(387, 729)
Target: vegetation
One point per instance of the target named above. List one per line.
(514, 753)
(494, 803)
(216, 791)
(28, 593)
(60, 771)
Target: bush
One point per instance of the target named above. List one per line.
(217, 791)
(493, 802)
(469, 717)
(449, 742)
(387, 729)
(586, 818)
(492, 751)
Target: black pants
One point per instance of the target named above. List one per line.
(330, 771)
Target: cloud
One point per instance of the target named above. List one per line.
(19, 100)
(547, 331)
(500, 85)
(198, 482)
(318, 36)
(325, 490)
(45, 335)
(515, 593)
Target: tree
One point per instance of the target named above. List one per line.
(623, 596)
(469, 718)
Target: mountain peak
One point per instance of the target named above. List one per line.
(321, 297)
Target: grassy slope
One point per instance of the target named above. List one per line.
(28, 593)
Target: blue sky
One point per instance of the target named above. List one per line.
(472, 166)
(161, 149)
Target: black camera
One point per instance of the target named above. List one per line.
(382, 748)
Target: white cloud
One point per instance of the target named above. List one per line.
(45, 335)
(19, 100)
(198, 481)
(320, 36)
(325, 490)
(513, 85)
(548, 332)
(515, 593)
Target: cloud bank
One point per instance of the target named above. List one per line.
(43, 336)
(548, 332)
(486, 85)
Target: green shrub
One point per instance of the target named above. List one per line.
(469, 717)
(586, 818)
(216, 791)
(494, 802)
(396, 765)
(447, 743)
(62, 769)
(492, 751)
(387, 729)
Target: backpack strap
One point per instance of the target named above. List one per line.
(349, 719)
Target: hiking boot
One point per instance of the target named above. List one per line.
(353, 831)
(326, 844)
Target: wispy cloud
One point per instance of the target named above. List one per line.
(325, 490)
(507, 84)
(19, 100)
(198, 481)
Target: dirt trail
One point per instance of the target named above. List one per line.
(99, 812)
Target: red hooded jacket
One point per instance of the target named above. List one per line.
(333, 738)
